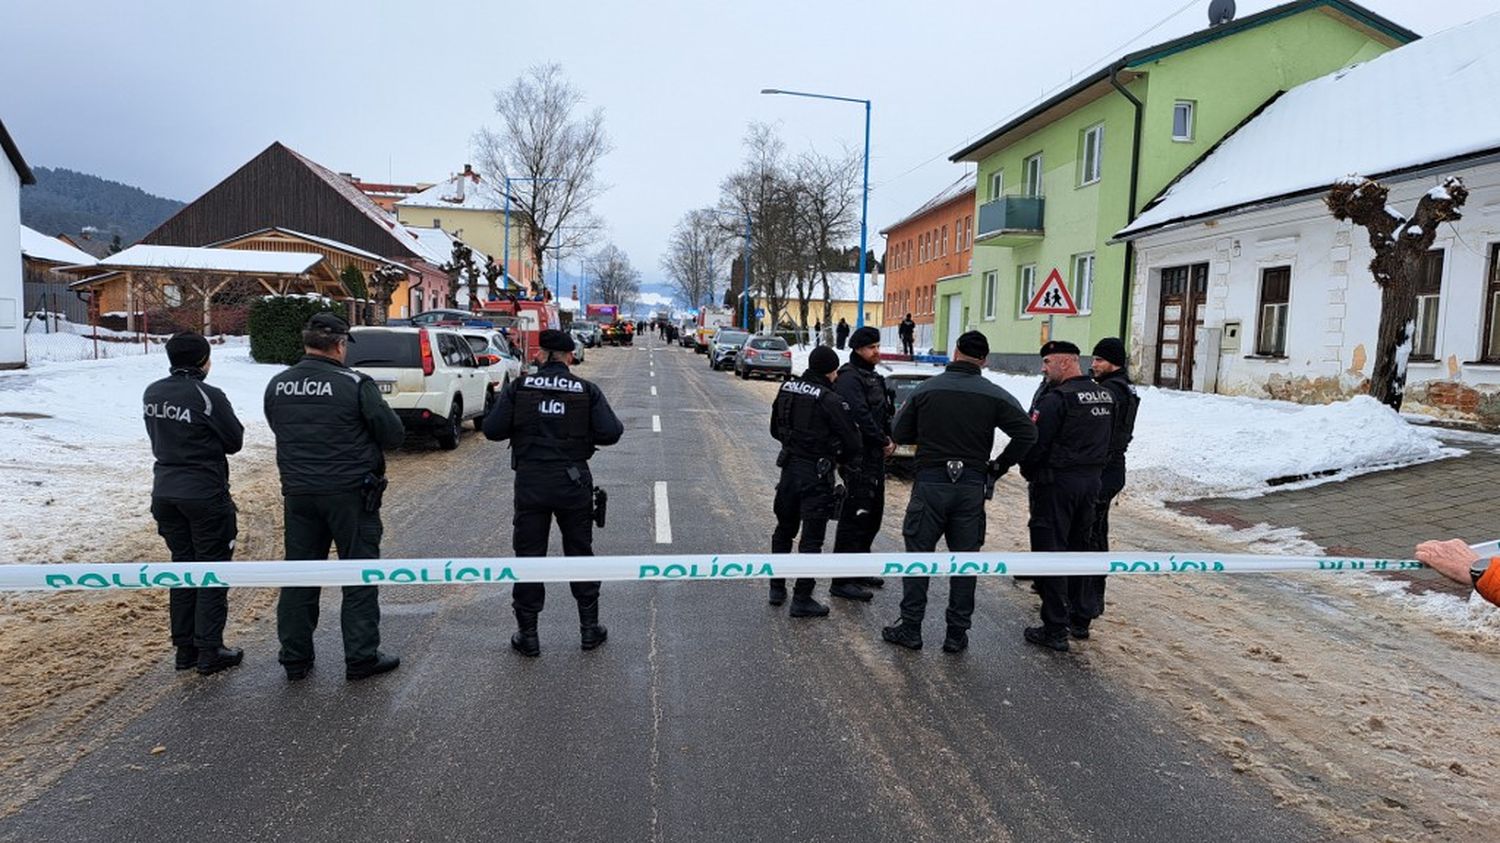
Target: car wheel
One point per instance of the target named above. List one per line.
(447, 437)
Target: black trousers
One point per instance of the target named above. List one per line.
(864, 509)
(907, 346)
(314, 523)
(545, 492)
(1062, 519)
(803, 505)
(197, 531)
(1110, 484)
(951, 511)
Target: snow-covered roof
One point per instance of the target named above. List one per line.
(468, 191)
(568, 305)
(436, 245)
(844, 286)
(40, 247)
(966, 184)
(210, 260)
(322, 241)
(1429, 101)
(654, 300)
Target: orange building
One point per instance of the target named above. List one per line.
(933, 243)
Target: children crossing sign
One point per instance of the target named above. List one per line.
(1052, 298)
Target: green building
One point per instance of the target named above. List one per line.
(1057, 182)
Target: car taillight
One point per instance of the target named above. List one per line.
(426, 345)
(492, 359)
(786, 354)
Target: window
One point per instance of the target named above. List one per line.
(1091, 158)
(997, 184)
(1083, 282)
(969, 232)
(991, 293)
(1026, 288)
(1429, 292)
(1492, 303)
(944, 253)
(1275, 293)
(1182, 120)
(1033, 172)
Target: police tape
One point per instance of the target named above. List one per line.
(498, 570)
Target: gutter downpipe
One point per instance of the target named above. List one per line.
(1135, 169)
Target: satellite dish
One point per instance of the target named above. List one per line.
(1220, 12)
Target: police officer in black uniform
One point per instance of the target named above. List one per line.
(331, 425)
(952, 418)
(193, 428)
(1074, 420)
(555, 421)
(1111, 372)
(817, 435)
(863, 389)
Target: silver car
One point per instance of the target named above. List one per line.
(724, 346)
(769, 356)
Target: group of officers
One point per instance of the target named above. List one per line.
(834, 423)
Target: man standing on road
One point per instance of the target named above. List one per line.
(816, 433)
(907, 330)
(555, 421)
(841, 333)
(1111, 373)
(863, 389)
(952, 418)
(1074, 421)
(331, 426)
(193, 429)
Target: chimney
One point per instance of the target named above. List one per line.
(458, 195)
(469, 170)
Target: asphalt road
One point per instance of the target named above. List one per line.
(708, 715)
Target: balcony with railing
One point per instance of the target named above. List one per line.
(1010, 221)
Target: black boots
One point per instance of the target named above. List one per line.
(187, 658)
(1038, 635)
(215, 659)
(381, 664)
(778, 592)
(590, 633)
(525, 641)
(903, 634)
(957, 640)
(850, 590)
(807, 607)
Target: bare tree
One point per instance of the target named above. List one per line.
(382, 285)
(697, 253)
(615, 281)
(764, 189)
(830, 190)
(462, 270)
(551, 155)
(1400, 243)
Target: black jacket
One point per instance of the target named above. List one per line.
(330, 424)
(552, 416)
(863, 389)
(811, 421)
(193, 429)
(1074, 420)
(906, 329)
(1127, 402)
(953, 416)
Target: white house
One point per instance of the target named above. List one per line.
(13, 174)
(1245, 283)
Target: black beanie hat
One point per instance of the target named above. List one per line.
(1111, 349)
(863, 337)
(555, 340)
(822, 360)
(187, 350)
(1059, 347)
(974, 344)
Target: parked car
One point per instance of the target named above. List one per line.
(769, 356)
(429, 376)
(500, 361)
(586, 332)
(898, 387)
(687, 334)
(724, 346)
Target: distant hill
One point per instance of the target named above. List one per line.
(66, 202)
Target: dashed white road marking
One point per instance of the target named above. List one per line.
(653, 390)
(663, 514)
(656, 424)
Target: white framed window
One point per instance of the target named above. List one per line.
(1429, 299)
(1083, 282)
(991, 294)
(997, 184)
(1032, 169)
(1092, 154)
(1026, 287)
(1183, 113)
(1275, 299)
(944, 252)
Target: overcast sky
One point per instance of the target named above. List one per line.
(173, 96)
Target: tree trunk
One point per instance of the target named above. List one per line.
(1393, 347)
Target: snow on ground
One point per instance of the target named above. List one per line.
(1190, 445)
(75, 464)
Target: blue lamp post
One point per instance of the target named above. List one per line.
(864, 204)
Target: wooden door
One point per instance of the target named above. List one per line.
(1183, 291)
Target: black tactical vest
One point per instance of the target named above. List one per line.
(1088, 423)
(801, 425)
(551, 420)
(322, 444)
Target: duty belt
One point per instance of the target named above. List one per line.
(954, 472)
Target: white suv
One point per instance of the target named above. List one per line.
(429, 376)
(498, 357)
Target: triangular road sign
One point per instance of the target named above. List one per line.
(1052, 298)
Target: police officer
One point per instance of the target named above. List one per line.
(816, 433)
(331, 425)
(1074, 420)
(952, 418)
(863, 389)
(193, 428)
(1110, 371)
(555, 421)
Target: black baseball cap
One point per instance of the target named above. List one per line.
(331, 324)
(555, 340)
(1060, 347)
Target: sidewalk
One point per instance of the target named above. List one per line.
(1381, 515)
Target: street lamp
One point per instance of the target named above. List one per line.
(864, 205)
(508, 180)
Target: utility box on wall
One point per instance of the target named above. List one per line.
(1229, 341)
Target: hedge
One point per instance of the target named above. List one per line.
(276, 326)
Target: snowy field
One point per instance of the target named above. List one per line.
(75, 465)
